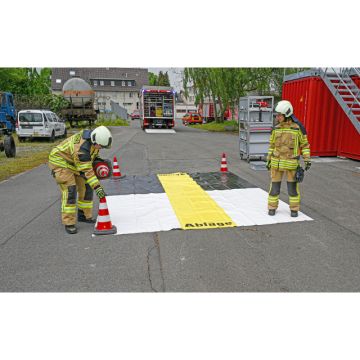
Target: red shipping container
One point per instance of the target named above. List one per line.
(330, 131)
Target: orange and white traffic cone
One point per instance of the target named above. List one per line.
(103, 224)
(223, 167)
(116, 169)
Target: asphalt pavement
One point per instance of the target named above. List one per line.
(323, 255)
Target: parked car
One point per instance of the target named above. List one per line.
(39, 124)
(135, 115)
(192, 118)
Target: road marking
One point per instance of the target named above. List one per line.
(160, 131)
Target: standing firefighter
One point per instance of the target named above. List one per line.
(287, 141)
(71, 163)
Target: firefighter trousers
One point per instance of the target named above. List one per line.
(75, 193)
(292, 185)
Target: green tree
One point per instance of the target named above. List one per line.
(153, 79)
(159, 80)
(25, 81)
(166, 81)
(224, 86)
(13, 79)
(274, 85)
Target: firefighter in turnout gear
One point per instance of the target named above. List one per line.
(288, 140)
(71, 164)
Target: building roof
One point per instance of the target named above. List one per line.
(138, 77)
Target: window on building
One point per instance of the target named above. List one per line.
(58, 81)
(130, 94)
(129, 83)
(95, 83)
(123, 83)
(112, 83)
(101, 82)
(72, 73)
(137, 105)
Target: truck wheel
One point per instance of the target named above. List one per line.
(52, 137)
(9, 146)
(65, 133)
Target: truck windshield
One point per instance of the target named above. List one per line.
(30, 117)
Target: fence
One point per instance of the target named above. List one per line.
(118, 110)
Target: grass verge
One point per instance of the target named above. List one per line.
(227, 126)
(29, 154)
(100, 121)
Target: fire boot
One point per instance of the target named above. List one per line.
(294, 213)
(271, 212)
(71, 229)
(82, 218)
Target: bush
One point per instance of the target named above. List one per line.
(111, 122)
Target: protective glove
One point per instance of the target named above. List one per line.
(100, 192)
(307, 164)
(268, 164)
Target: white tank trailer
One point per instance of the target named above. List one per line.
(80, 96)
(78, 92)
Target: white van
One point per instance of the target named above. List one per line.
(39, 124)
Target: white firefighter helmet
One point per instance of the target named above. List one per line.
(284, 107)
(101, 136)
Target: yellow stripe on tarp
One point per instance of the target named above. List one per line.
(194, 208)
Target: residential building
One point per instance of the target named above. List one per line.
(120, 85)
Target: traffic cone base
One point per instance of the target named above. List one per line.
(103, 224)
(223, 167)
(116, 170)
(111, 231)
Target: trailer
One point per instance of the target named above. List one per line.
(157, 107)
(80, 98)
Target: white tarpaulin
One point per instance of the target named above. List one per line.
(141, 213)
(248, 207)
(153, 212)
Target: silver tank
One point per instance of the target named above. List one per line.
(78, 91)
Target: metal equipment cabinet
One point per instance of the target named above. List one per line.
(255, 124)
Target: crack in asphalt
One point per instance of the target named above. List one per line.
(154, 260)
(27, 223)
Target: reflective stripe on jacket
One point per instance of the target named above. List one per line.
(287, 142)
(77, 154)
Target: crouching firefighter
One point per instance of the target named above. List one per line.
(71, 164)
(288, 140)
